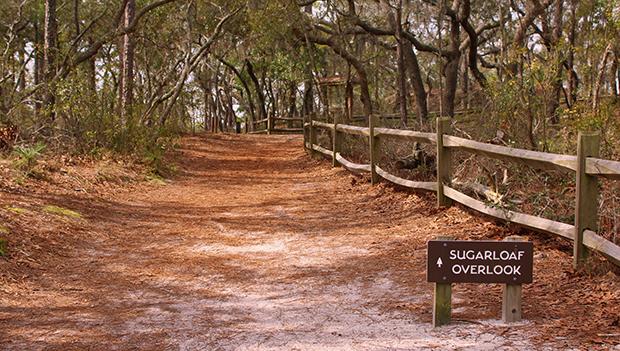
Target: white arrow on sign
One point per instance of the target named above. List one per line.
(439, 262)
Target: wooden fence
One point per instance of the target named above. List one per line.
(586, 166)
(273, 125)
(412, 117)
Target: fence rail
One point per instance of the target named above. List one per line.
(413, 116)
(269, 125)
(353, 167)
(586, 166)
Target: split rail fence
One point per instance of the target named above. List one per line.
(586, 166)
(273, 125)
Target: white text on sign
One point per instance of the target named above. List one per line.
(486, 255)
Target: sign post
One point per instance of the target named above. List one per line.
(511, 296)
(505, 262)
(442, 297)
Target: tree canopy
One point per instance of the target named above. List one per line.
(122, 73)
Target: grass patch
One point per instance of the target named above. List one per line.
(4, 230)
(3, 247)
(155, 179)
(16, 210)
(61, 211)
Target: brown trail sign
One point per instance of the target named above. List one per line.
(508, 262)
(480, 262)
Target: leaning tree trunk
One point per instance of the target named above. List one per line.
(596, 99)
(352, 60)
(246, 87)
(260, 95)
(417, 83)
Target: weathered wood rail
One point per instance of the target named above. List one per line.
(270, 125)
(586, 167)
(413, 116)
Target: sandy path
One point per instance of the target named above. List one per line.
(255, 247)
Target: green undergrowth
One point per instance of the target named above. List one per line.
(155, 179)
(16, 210)
(3, 243)
(27, 157)
(3, 247)
(61, 211)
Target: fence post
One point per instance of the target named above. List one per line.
(586, 204)
(373, 141)
(444, 161)
(312, 135)
(305, 131)
(511, 296)
(335, 142)
(269, 124)
(442, 299)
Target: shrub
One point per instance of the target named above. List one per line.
(28, 157)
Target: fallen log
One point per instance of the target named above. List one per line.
(418, 158)
(482, 190)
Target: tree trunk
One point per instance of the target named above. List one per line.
(402, 83)
(213, 106)
(615, 73)
(76, 17)
(230, 110)
(352, 60)
(22, 73)
(600, 78)
(38, 65)
(417, 83)
(451, 70)
(273, 101)
(127, 67)
(207, 107)
(556, 85)
(349, 100)
(50, 48)
(534, 8)
(259, 91)
(245, 87)
(308, 106)
(292, 102)
(465, 85)
(573, 81)
(92, 71)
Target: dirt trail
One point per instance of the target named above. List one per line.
(256, 247)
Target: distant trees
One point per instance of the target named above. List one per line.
(123, 71)
(77, 71)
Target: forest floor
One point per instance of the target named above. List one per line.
(253, 245)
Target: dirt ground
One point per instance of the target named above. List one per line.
(256, 246)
